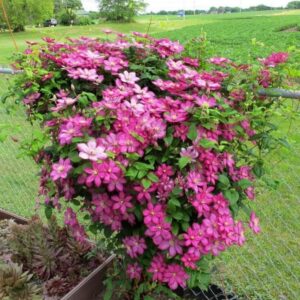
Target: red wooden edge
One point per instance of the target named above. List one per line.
(91, 286)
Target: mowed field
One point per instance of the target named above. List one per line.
(268, 267)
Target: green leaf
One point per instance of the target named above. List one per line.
(232, 195)
(246, 209)
(48, 212)
(138, 212)
(177, 191)
(258, 169)
(146, 183)
(93, 228)
(132, 156)
(143, 167)
(175, 202)
(284, 143)
(192, 134)
(153, 177)
(183, 161)
(137, 136)
(175, 228)
(178, 215)
(141, 174)
(224, 180)
(168, 219)
(207, 144)
(185, 226)
(74, 157)
(80, 169)
(109, 289)
(199, 280)
(244, 184)
(132, 173)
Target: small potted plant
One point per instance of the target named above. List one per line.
(152, 147)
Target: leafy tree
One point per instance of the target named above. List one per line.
(121, 10)
(23, 12)
(67, 17)
(72, 4)
(61, 5)
(58, 6)
(260, 7)
(39, 11)
(293, 5)
(213, 10)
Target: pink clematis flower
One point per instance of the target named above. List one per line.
(63, 104)
(254, 223)
(86, 74)
(153, 214)
(173, 246)
(204, 101)
(195, 180)
(94, 175)
(61, 169)
(135, 246)
(134, 271)
(122, 202)
(157, 268)
(189, 260)
(91, 151)
(129, 77)
(175, 276)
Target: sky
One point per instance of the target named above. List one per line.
(157, 5)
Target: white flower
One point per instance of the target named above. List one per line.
(129, 78)
(91, 151)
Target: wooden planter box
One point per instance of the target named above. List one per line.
(91, 286)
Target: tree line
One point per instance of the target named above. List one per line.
(35, 12)
(228, 9)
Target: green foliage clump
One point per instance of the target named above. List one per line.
(23, 12)
(121, 10)
(16, 284)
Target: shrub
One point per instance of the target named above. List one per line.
(83, 21)
(151, 145)
(68, 17)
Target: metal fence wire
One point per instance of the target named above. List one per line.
(18, 175)
(266, 268)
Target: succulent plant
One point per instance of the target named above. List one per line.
(16, 284)
(52, 254)
(4, 233)
(56, 287)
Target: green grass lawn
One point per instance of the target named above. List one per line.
(267, 268)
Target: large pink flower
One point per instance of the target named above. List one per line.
(122, 202)
(129, 77)
(134, 271)
(135, 246)
(157, 268)
(175, 276)
(94, 174)
(173, 246)
(61, 169)
(91, 151)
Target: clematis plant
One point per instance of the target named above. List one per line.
(160, 149)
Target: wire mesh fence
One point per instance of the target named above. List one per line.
(267, 268)
(18, 175)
